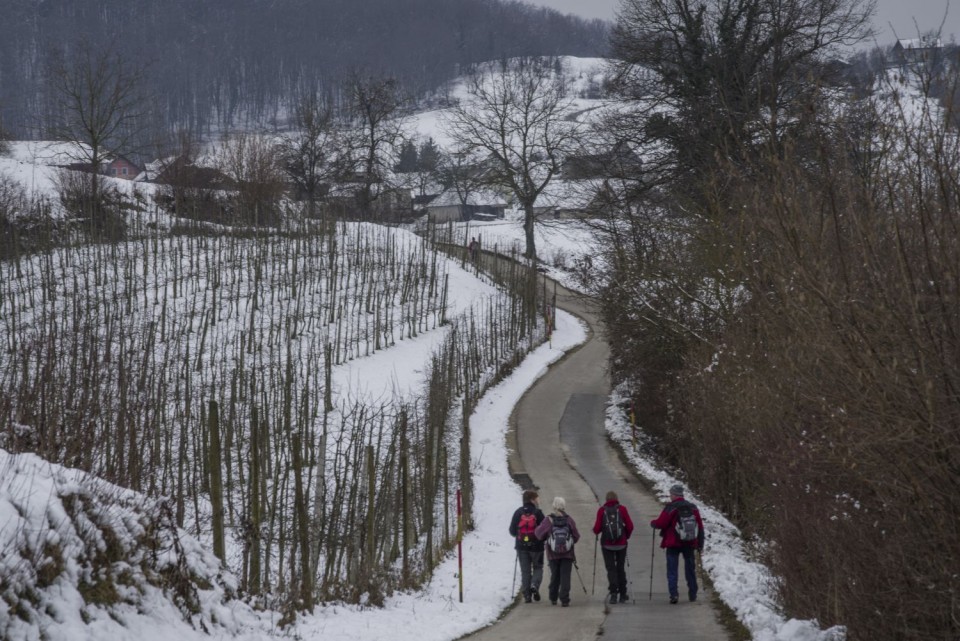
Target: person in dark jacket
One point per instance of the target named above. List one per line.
(675, 546)
(614, 550)
(529, 548)
(561, 563)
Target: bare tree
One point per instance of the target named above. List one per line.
(310, 152)
(462, 173)
(4, 138)
(253, 162)
(377, 108)
(719, 77)
(99, 108)
(515, 118)
(12, 200)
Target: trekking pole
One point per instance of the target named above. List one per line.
(593, 586)
(582, 584)
(516, 562)
(700, 572)
(653, 540)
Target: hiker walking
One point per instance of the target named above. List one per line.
(529, 548)
(560, 531)
(614, 527)
(474, 248)
(681, 532)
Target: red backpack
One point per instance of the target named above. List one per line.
(525, 528)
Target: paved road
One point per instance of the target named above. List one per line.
(558, 441)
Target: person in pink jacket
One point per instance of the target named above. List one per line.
(560, 531)
(681, 532)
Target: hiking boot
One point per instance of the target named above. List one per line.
(553, 601)
(613, 598)
(623, 598)
(693, 596)
(565, 604)
(536, 595)
(526, 598)
(674, 599)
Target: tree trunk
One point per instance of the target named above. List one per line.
(528, 226)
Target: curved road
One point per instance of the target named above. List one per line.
(558, 444)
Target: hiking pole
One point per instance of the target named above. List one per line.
(593, 586)
(513, 586)
(700, 572)
(582, 584)
(653, 540)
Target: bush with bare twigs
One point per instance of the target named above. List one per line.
(798, 358)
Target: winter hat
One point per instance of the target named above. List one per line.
(677, 490)
(559, 504)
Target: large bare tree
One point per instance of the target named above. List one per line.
(721, 77)
(376, 113)
(310, 152)
(99, 108)
(514, 117)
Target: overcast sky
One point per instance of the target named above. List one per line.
(898, 13)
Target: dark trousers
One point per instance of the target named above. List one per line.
(531, 570)
(614, 561)
(560, 570)
(689, 570)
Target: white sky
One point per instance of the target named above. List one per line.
(928, 14)
(898, 13)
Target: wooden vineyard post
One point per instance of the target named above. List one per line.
(460, 544)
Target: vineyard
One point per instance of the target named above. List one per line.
(251, 382)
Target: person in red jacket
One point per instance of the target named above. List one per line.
(681, 532)
(614, 527)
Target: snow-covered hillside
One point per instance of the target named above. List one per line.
(583, 78)
(84, 559)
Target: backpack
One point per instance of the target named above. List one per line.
(686, 525)
(525, 528)
(561, 538)
(612, 524)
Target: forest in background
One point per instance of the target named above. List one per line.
(217, 64)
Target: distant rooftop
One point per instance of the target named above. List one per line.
(924, 42)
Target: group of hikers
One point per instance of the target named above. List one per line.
(681, 534)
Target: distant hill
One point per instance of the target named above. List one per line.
(218, 62)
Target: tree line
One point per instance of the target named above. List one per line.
(220, 64)
(782, 290)
(353, 160)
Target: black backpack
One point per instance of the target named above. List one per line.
(686, 525)
(561, 537)
(612, 524)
